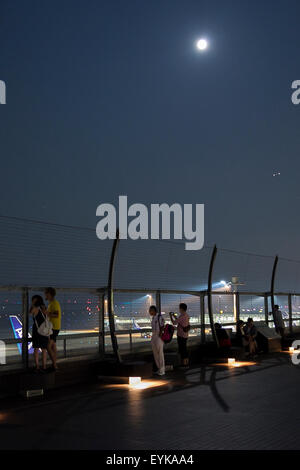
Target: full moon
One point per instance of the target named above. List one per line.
(202, 44)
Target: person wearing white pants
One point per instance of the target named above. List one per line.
(157, 343)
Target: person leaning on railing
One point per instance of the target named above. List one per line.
(278, 321)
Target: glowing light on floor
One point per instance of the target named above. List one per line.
(231, 361)
(236, 364)
(145, 384)
(243, 364)
(135, 380)
(291, 349)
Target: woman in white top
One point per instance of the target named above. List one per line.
(157, 343)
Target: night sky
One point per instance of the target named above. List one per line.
(111, 97)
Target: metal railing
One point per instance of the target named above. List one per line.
(101, 345)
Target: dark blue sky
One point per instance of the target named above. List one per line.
(110, 97)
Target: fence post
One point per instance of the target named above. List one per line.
(101, 325)
(209, 296)
(290, 313)
(158, 301)
(65, 348)
(266, 309)
(25, 311)
(202, 317)
(237, 305)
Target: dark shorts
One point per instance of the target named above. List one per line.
(182, 348)
(54, 335)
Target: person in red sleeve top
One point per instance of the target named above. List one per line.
(183, 327)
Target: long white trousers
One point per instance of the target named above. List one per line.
(158, 353)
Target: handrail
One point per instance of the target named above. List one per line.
(94, 290)
(95, 334)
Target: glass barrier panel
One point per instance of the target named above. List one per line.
(224, 308)
(132, 310)
(77, 346)
(252, 306)
(141, 341)
(295, 306)
(170, 303)
(11, 312)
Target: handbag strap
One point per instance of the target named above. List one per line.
(159, 323)
(37, 315)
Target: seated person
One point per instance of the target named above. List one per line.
(240, 334)
(250, 337)
(222, 335)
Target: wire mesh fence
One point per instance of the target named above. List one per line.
(252, 272)
(73, 260)
(39, 253)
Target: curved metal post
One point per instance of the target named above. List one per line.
(110, 298)
(209, 296)
(273, 281)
